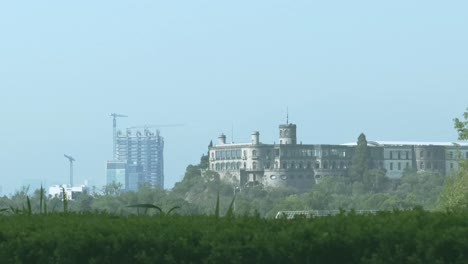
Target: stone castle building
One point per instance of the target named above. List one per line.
(302, 165)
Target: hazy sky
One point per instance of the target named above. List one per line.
(395, 70)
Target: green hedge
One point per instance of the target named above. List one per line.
(413, 236)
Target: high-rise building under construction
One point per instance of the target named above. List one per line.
(142, 148)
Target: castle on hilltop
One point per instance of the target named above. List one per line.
(302, 165)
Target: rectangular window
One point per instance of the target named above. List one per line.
(407, 155)
(399, 155)
(466, 155)
(391, 165)
(399, 166)
(451, 165)
(451, 155)
(407, 165)
(317, 153)
(391, 155)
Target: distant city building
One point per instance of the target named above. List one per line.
(115, 173)
(129, 176)
(71, 192)
(302, 165)
(142, 152)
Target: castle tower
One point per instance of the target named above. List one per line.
(222, 139)
(255, 138)
(288, 134)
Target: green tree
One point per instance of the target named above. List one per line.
(462, 126)
(454, 195)
(361, 159)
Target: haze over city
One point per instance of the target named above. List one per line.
(395, 71)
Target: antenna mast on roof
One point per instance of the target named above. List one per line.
(287, 115)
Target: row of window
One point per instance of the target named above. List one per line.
(422, 165)
(399, 166)
(451, 155)
(398, 155)
(284, 165)
(291, 177)
(227, 154)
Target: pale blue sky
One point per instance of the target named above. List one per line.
(395, 70)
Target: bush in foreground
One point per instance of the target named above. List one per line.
(413, 236)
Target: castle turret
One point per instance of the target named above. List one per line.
(255, 138)
(288, 134)
(222, 139)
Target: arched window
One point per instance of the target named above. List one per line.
(254, 165)
(233, 166)
(254, 153)
(325, 164)
(317, 165)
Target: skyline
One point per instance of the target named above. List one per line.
(394, 71)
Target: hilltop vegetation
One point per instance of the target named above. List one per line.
(197, 194)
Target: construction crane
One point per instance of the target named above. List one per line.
(114, 115)
(71, 159)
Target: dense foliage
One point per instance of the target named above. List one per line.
(414, 236)
(197, 194)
